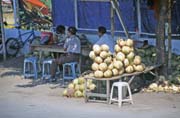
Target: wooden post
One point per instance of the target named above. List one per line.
(2, 31)
(169, 40)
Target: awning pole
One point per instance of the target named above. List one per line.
(2, 31)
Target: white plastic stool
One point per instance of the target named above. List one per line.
(120, 98)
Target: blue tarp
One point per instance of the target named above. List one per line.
(93, 14)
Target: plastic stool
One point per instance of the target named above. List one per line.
(29, 65)
(46, 68)
(120, 99)
(74, 70)
(46, 65)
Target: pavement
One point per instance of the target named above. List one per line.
(26, 98)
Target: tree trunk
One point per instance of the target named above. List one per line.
(160, 41)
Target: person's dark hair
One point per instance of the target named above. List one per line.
(60, 29)
(73, 30)
(102, 29)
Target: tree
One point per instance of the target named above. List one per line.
(160, 33)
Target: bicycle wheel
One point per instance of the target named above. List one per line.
(12, 46)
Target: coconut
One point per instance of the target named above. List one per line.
(117, 48)
(75, 81)
(96, 49)
(121, 71)
(71, 86)
(111, 66)
(126, 62)
(137, 60)
(98, 74)
(129, 69)
(95, 66)
(92, 86)
(104, 47)
(108, 73)
(129, 42)
(98, 60)
(120, 56)
(103, 66)
(104, 54)
(65, 92)
(126, 49)
(118, 64)
(115, 71)
(81, 80)
(130, 56)
(108, 60)
(92, 55)
(78, 94)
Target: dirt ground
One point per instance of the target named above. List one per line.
(25, 98)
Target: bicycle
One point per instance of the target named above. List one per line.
(13, 45)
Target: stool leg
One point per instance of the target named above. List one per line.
(35, 70)
(111, 95)
(119, 96)
(43, 66)
(24, 69)
(63, 73)
(73, 70)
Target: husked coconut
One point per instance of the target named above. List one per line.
(111, 66)
(105, 47)
(137, 60)
(98, 74)
(92, 55)
(98, 60)
(126, 49)
(104, 54)
(108, 60)
(126, 62)
(120, 56)
(96, 49)
(121, 71)
(131, 55)
(103, 66)
(117, 48)
(108, 73)
(129, 42)
(115, 71)
(118, 64)
(129, 69)
(95, 66)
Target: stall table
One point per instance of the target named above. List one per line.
(120, 77)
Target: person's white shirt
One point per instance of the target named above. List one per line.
(108, 40)
(73, 44)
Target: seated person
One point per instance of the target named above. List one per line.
(104, 38)
(60, 35)
(72, 46)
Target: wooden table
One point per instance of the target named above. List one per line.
(59, 49)
(120, 77)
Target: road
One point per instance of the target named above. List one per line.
(24, 98)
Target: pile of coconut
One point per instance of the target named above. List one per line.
(124, 60)
(77, 87)
(165, 87)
